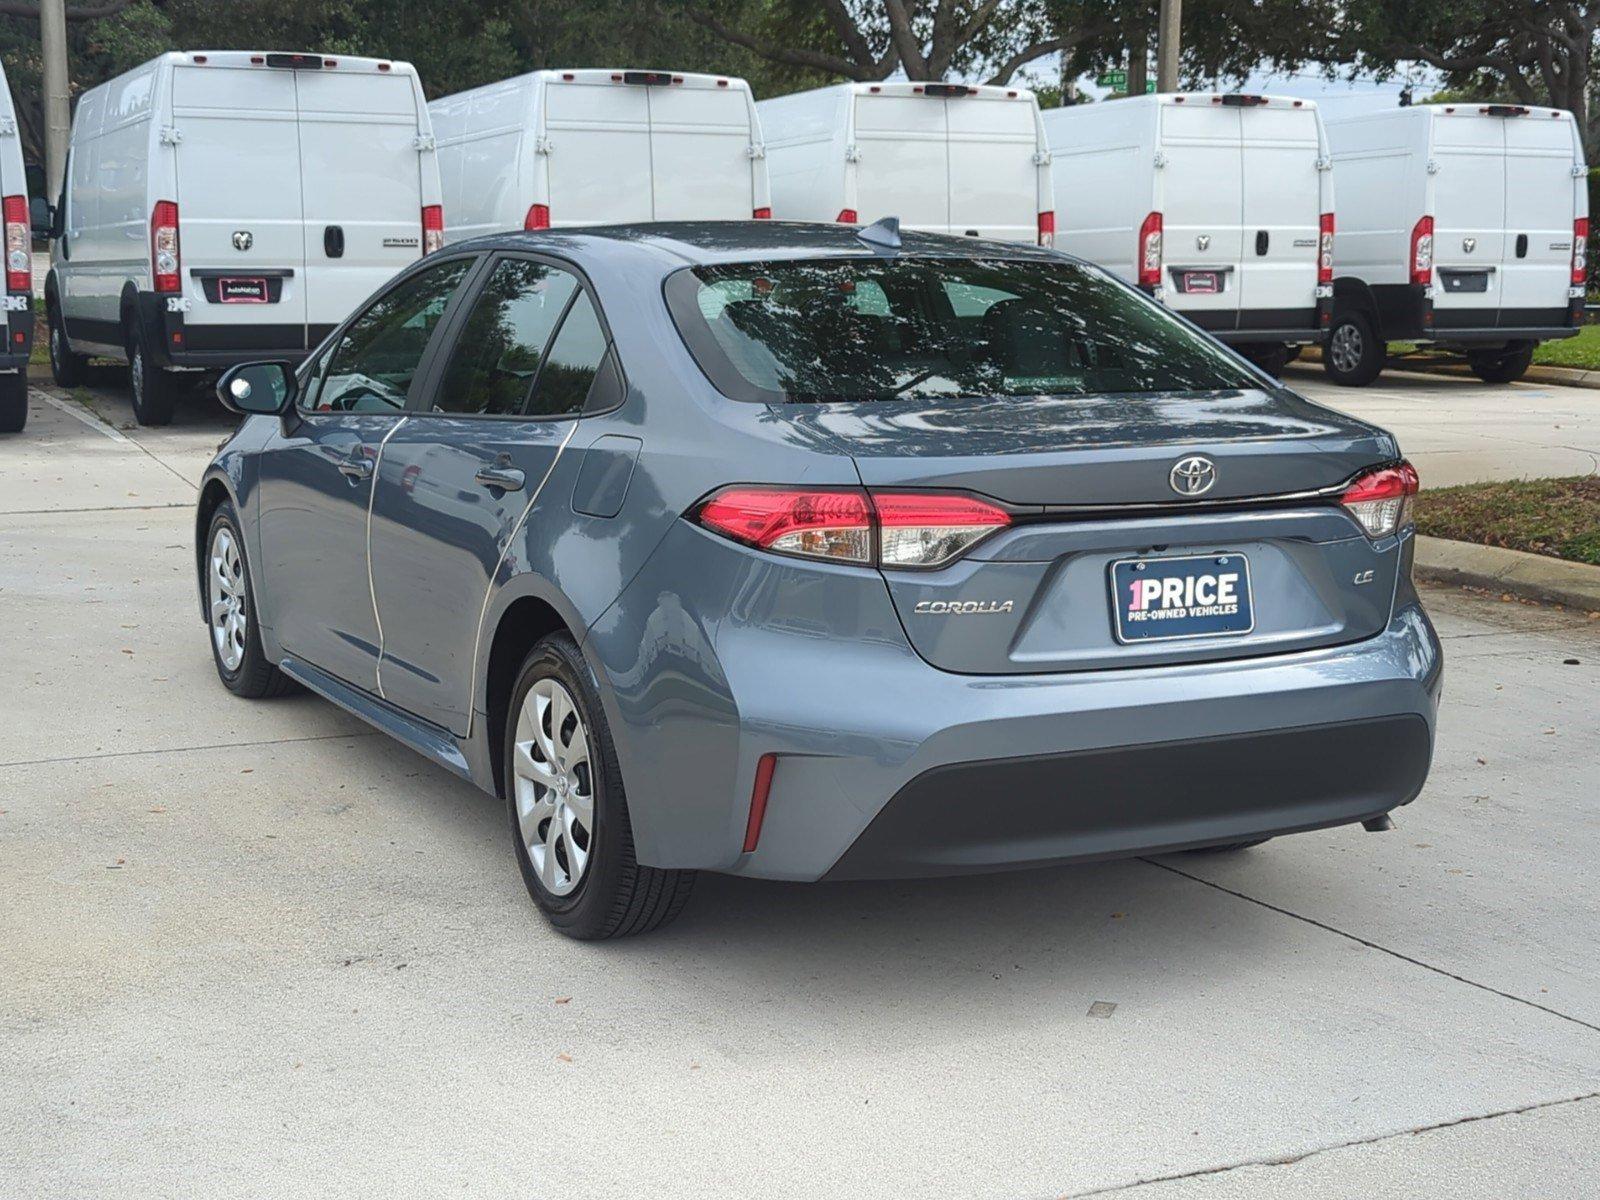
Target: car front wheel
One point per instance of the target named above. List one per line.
(568, 809)
(242, 664)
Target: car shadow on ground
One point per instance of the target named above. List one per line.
(105, 393)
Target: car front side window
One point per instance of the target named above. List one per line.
(375, 358)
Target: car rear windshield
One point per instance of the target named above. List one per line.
(815, 331)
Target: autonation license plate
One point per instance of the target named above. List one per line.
(1203, 595)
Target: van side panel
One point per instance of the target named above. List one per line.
(1378, 165)
(485, 150)
(99, 260)
(805, 136)
(239, 199)
(1103, 168)
(360, 173)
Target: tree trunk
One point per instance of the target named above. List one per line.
(1138, 63)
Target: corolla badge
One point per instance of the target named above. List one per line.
(1468, 245)
(243, 239)
(1193, 476)
(963, 608)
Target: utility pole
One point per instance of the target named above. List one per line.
(1167, 46)
(57, 97)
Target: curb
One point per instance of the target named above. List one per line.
(1538, 373)
(1532, 576)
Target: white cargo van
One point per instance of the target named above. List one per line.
(560, 148)
(1461, 226)
(221, 206)
(943, 157)
(18, 294)
(1221, 205)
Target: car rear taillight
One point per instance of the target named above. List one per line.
(846, 525)
(19, 251)
(432, 228)
(1381, 500)
(1580, 248)
(933, 528)
(761, 214)
(1150, 251)
(538, 217)
(1325, 249)
(165, 259)
(1422, 252)
(847, 216)
(1047, 229)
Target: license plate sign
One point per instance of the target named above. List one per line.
(1200, 283)
(1197, 596)
(250, 290)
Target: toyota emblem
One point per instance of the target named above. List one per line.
(242, 239)
(1193, 476)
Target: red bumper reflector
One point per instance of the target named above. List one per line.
(758, 800)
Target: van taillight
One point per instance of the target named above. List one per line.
(1422, 252)
(1150, 251)
(1580, 248)
(847, 216)
(847, 525)
(538, 217)
(1047, 229)
(432, 228)
(165, 258)
(1325, 249)
(19, 249)
(761, 214)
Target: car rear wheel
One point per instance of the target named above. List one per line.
(66, 368)
(241, 663)
(1354, 355)
(151, 387)
(13, 402)
(568, 809)
(1501, 366)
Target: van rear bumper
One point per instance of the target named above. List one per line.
(1253, 326)
(174, 341)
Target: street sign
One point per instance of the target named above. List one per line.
(1112, 79)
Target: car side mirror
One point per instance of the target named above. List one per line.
(266, 388)
(41, 216)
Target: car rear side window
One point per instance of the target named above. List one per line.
(874, 329)
(372, 363)
(502, 343)
(574, 359)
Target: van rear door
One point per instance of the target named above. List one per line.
(1540, 206)
(1469, 214)
(599, 163)
(701, 169)
(239, 202)
(1202, 196)
(1282, 210)
(361, 182)
(904, 166)
(993, 178)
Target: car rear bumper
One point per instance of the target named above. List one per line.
(716, 657)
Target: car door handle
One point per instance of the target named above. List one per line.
(507, 479)
(356, 466)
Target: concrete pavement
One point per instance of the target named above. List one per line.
(254, 949)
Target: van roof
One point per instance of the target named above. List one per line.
(261, 59)
(1248, 99)
(686, 79)
(981, 91)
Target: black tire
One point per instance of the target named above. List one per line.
(253, 677)
(13, 401)
(1229, 847)
(151, 388)
(1271, 359)
(66, 368)
(1501, 366)
(1353, 355)
(615, 895)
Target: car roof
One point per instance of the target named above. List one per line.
(675, 244)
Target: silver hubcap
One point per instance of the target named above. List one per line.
(136, 376)
(228, 619)
(1345, 348)
(554, 786)
(55, 346)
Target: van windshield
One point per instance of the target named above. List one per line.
(814, 331)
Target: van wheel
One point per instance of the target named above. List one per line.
(66, 368)
(1271, 359)
(568, 810)
(1354, 355)
(151, 386)
(1502, 366)
(13, 402)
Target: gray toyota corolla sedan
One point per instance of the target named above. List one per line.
(808, 553)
